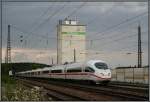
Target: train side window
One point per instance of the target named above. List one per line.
(39, 73)
(89, 69)
(32, 73)
(45, 72)
(56, 71)
(74, 70)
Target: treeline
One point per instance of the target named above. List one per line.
(17, 67)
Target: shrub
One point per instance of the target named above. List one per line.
(21, 93)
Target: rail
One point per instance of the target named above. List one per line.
(90, 93)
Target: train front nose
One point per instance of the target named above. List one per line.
(104, 77)
(104, 74)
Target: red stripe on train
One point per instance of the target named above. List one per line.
(77, 74)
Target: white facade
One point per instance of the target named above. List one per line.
(71, 42)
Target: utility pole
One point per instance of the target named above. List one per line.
(57, 42)
(74, 55)
(8, 50)
(52, 61)
(139, 48)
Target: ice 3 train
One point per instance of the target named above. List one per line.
(95, 71)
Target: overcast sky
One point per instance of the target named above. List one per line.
(111, 30)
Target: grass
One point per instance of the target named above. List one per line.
(18, 92)
(13, 90)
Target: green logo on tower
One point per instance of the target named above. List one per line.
(74, 33)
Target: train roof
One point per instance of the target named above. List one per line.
(94, 61)
(46, 68)
(70, 65)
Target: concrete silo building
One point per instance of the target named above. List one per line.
(71, 41)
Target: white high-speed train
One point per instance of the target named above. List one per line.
(93, 70)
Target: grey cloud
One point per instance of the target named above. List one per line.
(24, 15)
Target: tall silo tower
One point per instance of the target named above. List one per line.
(71, 41)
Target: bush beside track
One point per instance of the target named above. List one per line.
(9, 84)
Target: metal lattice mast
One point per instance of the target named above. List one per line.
(8, 50)
(74, 56)
(139, 48)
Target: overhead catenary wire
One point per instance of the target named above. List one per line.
(91, 20)
(108, 11)
(126, 37)
(96, 39)
(75, 11)
(45, 37)
(39, 19)
(116, 40)
(104, 36)
(116, 25)
(41, 36)
(108, 37)
(123, 50)
(78, 40)
(29, 34)
(50, 17)
(32, 30)
(54, 38)
(121, 38)
(69, 39)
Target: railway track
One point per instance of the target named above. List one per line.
(129, 84)
(112, 85)
(141, 90)
(119, 91)
(69, 91)
(54, 95)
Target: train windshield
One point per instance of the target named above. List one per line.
(101, 65)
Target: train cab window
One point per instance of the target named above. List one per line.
(74, 70)
(101, 65)
(89, 69)
(56, 71)
(45, 72)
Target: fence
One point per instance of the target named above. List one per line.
(134, 75)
